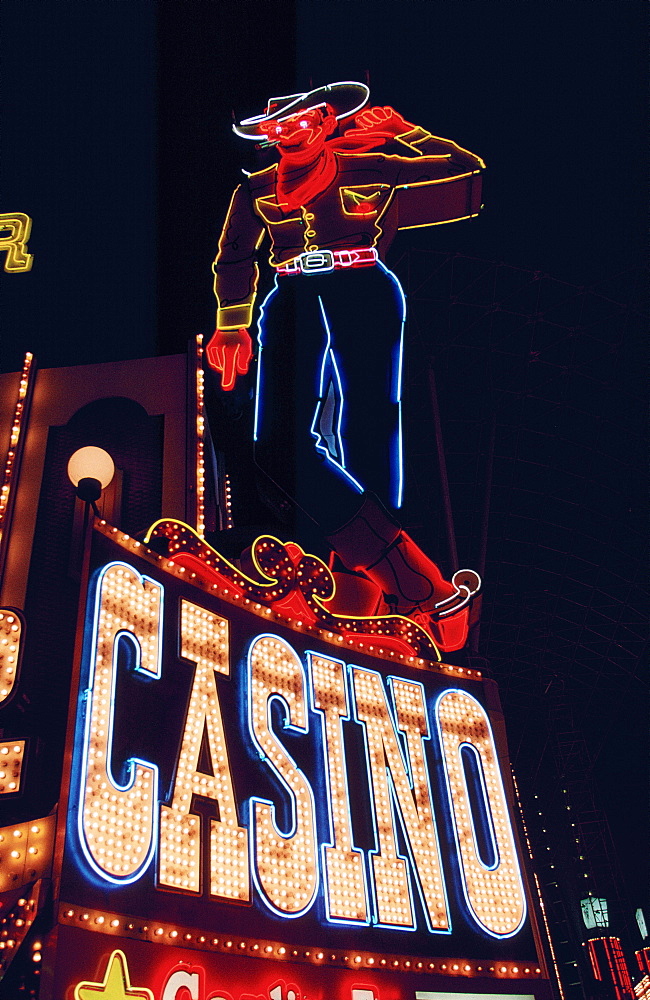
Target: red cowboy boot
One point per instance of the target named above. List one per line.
(372, 542)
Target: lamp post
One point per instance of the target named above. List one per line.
(90, 470)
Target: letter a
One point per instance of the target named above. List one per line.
(204, 640)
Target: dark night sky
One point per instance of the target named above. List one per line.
(117, 141)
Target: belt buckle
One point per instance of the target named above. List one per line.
(317, 262)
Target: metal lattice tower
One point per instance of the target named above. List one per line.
(538, 384)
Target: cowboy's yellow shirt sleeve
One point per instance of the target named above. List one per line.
(437, 158)
(235, 269)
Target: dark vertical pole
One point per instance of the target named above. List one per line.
(444, 480)
(485, 520)
(487, 500)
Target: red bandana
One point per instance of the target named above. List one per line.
(300, 183)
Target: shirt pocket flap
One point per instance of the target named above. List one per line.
(267, 206)
(364, 199)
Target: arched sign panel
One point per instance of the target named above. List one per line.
(251, 787)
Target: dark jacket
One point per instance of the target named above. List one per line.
(372, 196)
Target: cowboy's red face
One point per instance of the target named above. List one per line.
(307, 130)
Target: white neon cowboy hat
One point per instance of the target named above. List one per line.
(345, 98)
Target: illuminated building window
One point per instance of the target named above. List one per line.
(594, 912)
(643, 960)
(609, 965)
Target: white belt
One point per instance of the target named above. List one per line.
(323, 261)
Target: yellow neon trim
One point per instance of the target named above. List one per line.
(264, 170)
(256, 274)
(439, 180)
(116, 984)
(272, 202)
(423, 136)
(354, 190)
(459, 149)
(233, 317)
(273, 581)
(19, 226)
(239, 572)
(223, 231)
(443, 222)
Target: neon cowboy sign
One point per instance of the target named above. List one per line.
(309, 780)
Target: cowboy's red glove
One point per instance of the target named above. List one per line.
(385, 122)
(230, 352)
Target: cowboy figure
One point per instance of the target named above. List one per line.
(331, 329)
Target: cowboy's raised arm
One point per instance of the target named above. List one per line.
(438, 181)
(443, 157)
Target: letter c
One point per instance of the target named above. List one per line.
(178, 980)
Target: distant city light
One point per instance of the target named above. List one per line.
(594, 912)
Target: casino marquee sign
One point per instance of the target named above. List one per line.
(270, 802)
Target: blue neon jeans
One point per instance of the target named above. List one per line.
(328, 410)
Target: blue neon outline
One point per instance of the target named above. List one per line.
(328, 353)
(168, 796)
(410, 866)
(85, 713)
(397, 457)
(406, 757)
(252, 840)
(452, 813)
(377, 851)
(397, 391)
(357, 850)
(260, 333)
(486, 806)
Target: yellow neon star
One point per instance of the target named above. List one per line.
(116, 985)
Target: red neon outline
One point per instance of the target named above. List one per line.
(289, 569)
(229, 352)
